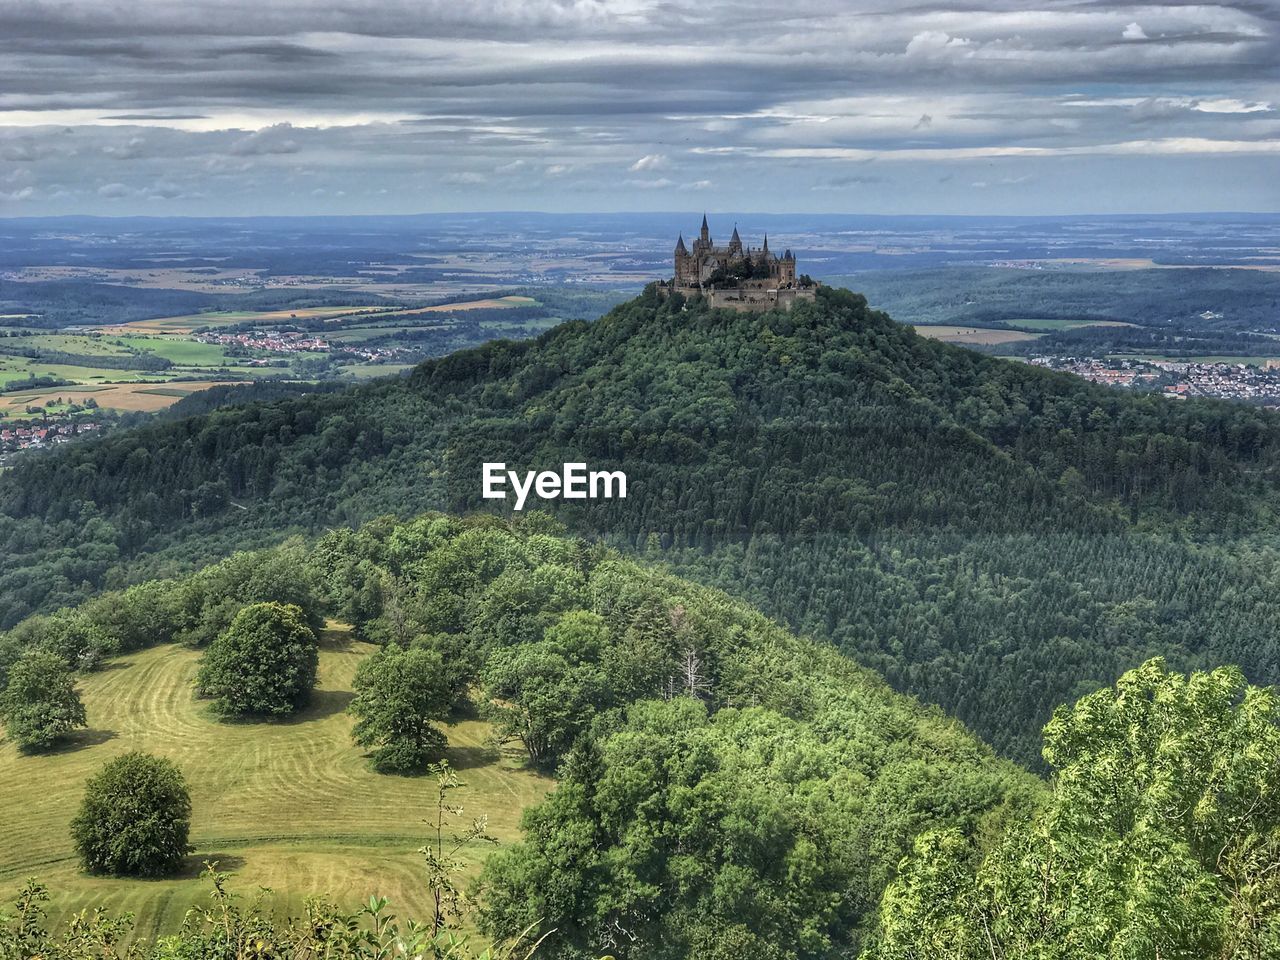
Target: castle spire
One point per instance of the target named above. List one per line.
(706, 232)
(765, 248)
(735, 243)
(681, 250)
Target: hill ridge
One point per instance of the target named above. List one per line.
(921, 475)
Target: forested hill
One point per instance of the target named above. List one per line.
(992, 536)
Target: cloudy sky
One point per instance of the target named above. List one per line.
(400, 106)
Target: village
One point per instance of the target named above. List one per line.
(1223, 380)
(41, 436)
(287, 342)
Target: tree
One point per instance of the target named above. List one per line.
(40, 703)
(1160, 840)
(263, 664)
(400, 695)
(544, 694)
(134, 818)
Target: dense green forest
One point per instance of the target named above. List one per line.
(725, 788)
(995, 537)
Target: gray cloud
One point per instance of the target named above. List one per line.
(281, 105)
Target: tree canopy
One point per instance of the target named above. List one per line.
(400, 696)
(134, 818)
(263, 664)
(40, 704)
(1160, 838)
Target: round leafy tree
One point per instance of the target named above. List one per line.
(400, 694)
(40, 703)
(134, 818)
(264, 664)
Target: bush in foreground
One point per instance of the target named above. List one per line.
(134, 818)
(40, 704)
(1161, 838)
(264, 664)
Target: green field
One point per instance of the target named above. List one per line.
(292, 806)
(363, 370)
(181, 351)
(95, 346)
(19, 368)
(175, 348)
(171, 339)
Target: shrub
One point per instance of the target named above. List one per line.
(134, 818)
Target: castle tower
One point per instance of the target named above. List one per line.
(705, 235)
(735, 243)
(682, 260)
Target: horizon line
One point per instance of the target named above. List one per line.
(636, 213)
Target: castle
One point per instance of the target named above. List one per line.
(737, 276)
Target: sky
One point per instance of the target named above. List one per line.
(246, 107)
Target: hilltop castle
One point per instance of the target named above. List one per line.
(737, 276)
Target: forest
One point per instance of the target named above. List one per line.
(995, 538)
(724, 788)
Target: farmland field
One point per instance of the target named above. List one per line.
(20, 368)
(119, 396)
(487, 304)
(384, 340)
(191, 321)
(180, 350)
(971, 335)
(1047, 324)
(291, 805)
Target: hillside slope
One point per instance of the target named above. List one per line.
(842, 772)
(994, 537)
(291, 806)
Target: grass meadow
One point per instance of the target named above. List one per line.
(292, 806)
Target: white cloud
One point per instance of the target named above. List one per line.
(1134, 31)
(651, 161)
(1230, 105)
(933, 44)
(1167, 146)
